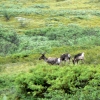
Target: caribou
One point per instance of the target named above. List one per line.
(65, 57)
(77, 57)
(50, 60)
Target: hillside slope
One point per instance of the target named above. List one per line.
(31, 27)
(31, 14)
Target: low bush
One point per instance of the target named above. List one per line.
(70, 35)
(53, 82)
(47, 38)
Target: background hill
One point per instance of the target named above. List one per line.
(41, 13)
(34, 25)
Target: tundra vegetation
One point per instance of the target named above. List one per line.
(29, 28)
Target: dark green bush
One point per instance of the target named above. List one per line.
(8, 41)
(54, 82)
(70, 35)
(6, 81)
(44, 39)
(36, 32)
(41, 6)
(6, 15)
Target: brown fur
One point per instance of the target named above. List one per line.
(78, 57)
(50, 60)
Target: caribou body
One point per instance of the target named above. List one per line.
(50, 60)
(77, 57)
(65, 57)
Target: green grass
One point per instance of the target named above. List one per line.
(44, 39)
(39, 14)
(92, 55)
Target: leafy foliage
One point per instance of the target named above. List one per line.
(70, 35)
(46, 38)
(8, 41)
(50, 82)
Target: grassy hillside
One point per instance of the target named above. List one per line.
(35, 25)
(66, 16)
(37, 14)
(29, 28)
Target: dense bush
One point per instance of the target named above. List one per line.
(44, 39)
(54, 82)
(41, 6)
(8, 41)
(7, 86)
(70, 35)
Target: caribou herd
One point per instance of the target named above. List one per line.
(63, 58)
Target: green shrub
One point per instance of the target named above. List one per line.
(8, 41)
(52, 82)
(6, 15)
(59, 0)
(44, 39)
(70, 35)
(6, 81)
(41, 6)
